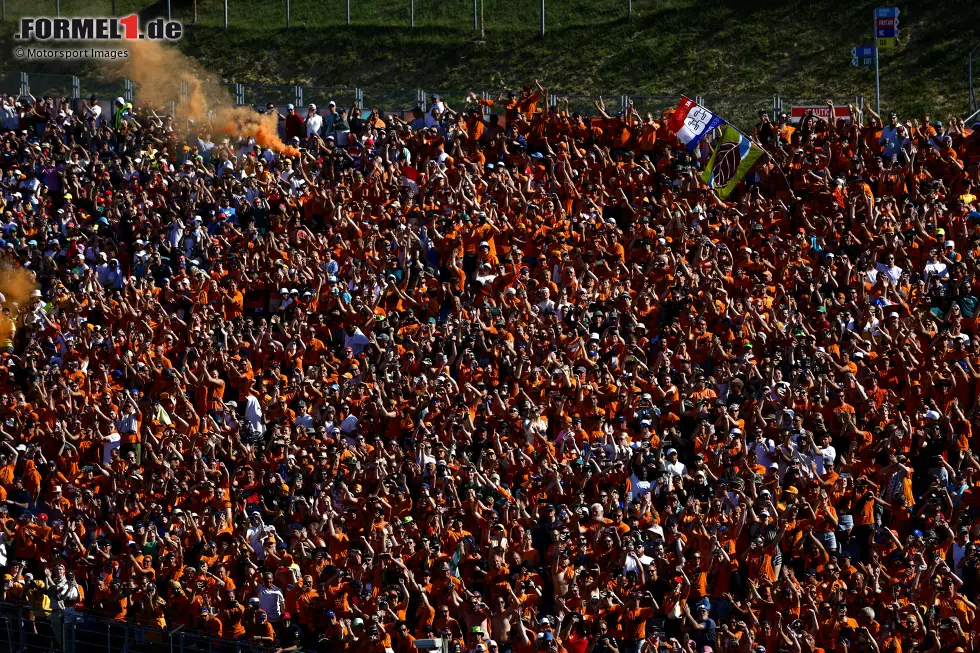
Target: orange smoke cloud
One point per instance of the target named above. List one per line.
(160, 72)
(16, 284)
(261, 127)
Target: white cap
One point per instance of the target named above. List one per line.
(312, 106)
(120, 100)
(290, 106)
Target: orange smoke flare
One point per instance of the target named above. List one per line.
(16, 284)
(261, 127)
(159, 72)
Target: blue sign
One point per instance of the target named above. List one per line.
(886, 25)
(863, 51)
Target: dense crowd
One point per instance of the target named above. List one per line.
(520, 382)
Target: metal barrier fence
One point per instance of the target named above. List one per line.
(532, 16)
(71, 632)
(277, 94)
(393, 99)
(653, 104)
(344, 97)
(741, 111)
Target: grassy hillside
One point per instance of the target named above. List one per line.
(744, 49)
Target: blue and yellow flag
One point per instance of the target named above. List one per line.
(733, 157)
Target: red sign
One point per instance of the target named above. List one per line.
(819, 112)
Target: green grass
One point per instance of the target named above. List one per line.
(736, 53)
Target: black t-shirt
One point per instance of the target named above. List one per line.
(18, 496)
(971, 576)
(288, 635)
(355, 122)
(767, 132)
(932, 452)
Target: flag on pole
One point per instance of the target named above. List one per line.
(456, 558)
(163, 417)
(692, 122)
(733, 157)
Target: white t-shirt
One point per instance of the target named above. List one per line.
(677, 469)
(11, 117)
(313, 124)
(356, 341)
(175, 230)
(30, 189)
(127, 423)
(546, 306)
(271, 600)
(638, 488)
(937, 269)
(893, 272)
(430, 120)
(254, 537)
(765, 449)
(112, 443)
(253, 413)
(821, 456)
